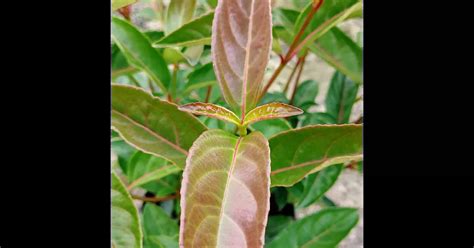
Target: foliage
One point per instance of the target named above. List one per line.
(224, 162)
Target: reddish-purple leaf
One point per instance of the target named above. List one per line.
(225, 191)
(241, 42)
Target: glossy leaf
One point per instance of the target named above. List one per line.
(241, 42)
(331, 13)
(136, 47)
(325, 228)
(145, 168)
(315, 185)
(158, 228)
(341, 52)
(300, 152)
(271, 111)
(201, 77)
(195, 32)
(276, 224)
(318, 118)
(123, 151)
(225, 191)
(126, 230)
(117, 4)
(306, 93)
(152, 125)
(178, 13)
(211, 110)
(271, 127)
(341, 97)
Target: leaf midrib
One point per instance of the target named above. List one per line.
(156, 135)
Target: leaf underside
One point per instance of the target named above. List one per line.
(225, 191)
(211, 110)
(241, 43)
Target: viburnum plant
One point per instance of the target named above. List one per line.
(216, 159)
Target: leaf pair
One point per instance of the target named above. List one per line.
(264, 112)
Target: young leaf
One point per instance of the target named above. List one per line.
(341, 52)
(178, 13)
(241, 42)
(195, 32)
(225, 191)
(145, 168)
(117, 4)
(326, 228)
(153, 126)
(211, 110)
(315, 185)
(340, 97)
(159, 228)
(299, 152)
(126, 230)
(136, 47)
(271, 111)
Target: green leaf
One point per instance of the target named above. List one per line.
(300, 152)
(270, 111)
(306, 94)
(281, 196)
(276, 224)
(274, 97)
(210, 110)
(286, 18)
(241, 43)
(325, 229)
(123, 151)
(136, 47)
(153, 126)
(192, 54)
(212, 3)
(315, 185)
(159, 229)
(126, 232)
(195, 32)
(271, 127)
(341, 52)
(331, 13)
(225, 191)
(318, 118)
(341, 97)
(201, 77)
(117, 4)
(145, 168)
(178, 13)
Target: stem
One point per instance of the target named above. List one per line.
(242, 130)
(134, 80)
(208, 94)
(150, 85)
(295, 87)
(172, 92)
(125, 11)
(154, 199)
(303, 28)
(285, 90)
(291, 51)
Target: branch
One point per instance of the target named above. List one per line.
(295, 88)
(291, 51)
